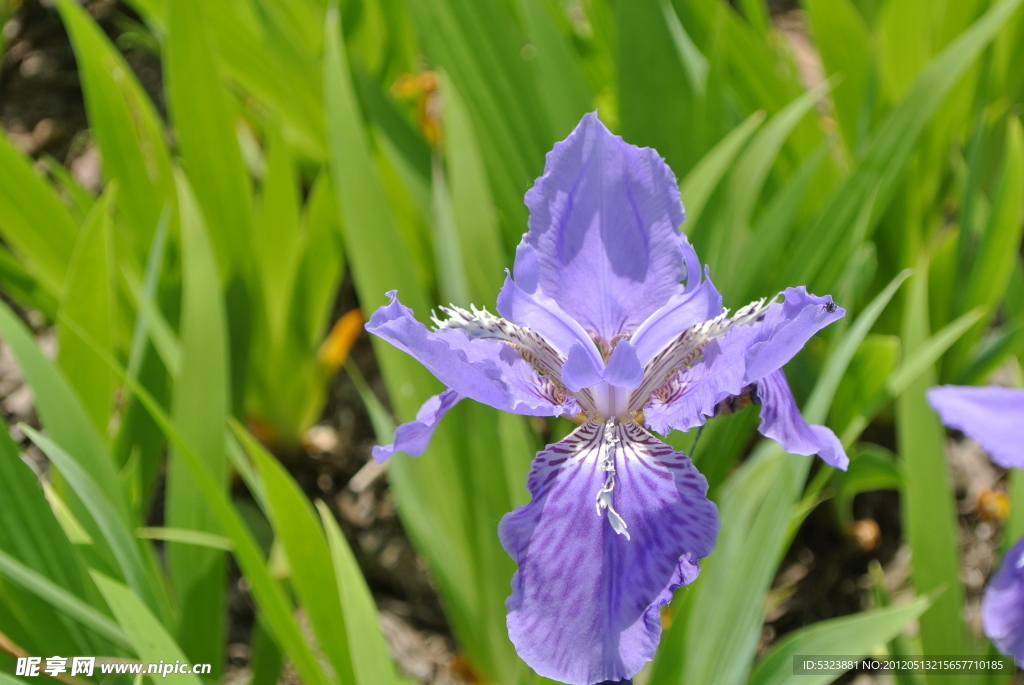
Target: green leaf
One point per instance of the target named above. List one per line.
(200, 409)
(694, 63)
(275, 240)
(275, 609)
(312, 576)
(871, 468)
(28, 203)
(818, 404)
(203, 122)
(31, 535)
(142, 578)
(728, 610)
(853, 635)
(884, 164)
(702, 180)
(188, 537)
(86, 300)
(472, 202)
(560, 83)
(928, 505)
(371, 662)
(996, 255)
(61, 412)
(61, 599)
(124, 124)
(499, 89)
(843, 40)
(149, 638)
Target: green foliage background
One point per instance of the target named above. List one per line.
(197, 288)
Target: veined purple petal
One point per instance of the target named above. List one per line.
(682, 311)
(993, 416)
(603, 221)
(584, 604)
(414, 437)
(487, 371)
(1002, 608)
(786, 329)
(782, 422)
(543, 316)
(745, 355)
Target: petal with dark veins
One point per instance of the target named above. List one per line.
(584, 604)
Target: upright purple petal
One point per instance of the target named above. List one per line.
(580, 370)
(543, 316)
(993, 416)
(1002, 608)
(624, 369)
(487, 371)
(584, 604)
(527, 267)
(679, 313)
(782, 422)
(414, 437)
(603, 221)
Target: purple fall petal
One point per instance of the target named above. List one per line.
(786, 329)
(745, 355)
(414, 437)
(584, 604)
(1002, 609)
(603, 221)
(782, 422)
(487, 371)
(993, 416)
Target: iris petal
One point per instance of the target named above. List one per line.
(990, 415)
(603, 223)
(487, 371)
(544, 317)
(782, 422)
(1002, 609)
(414, 437)
(584, 604)
(745, 355)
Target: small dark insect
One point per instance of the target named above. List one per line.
(829, 306)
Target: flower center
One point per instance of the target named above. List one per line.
(611, 402)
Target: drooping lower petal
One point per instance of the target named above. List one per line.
(603, 222)
(782, 422)
(487, 371)
(414, 437)
(584, 603)
(1002, 608)
(990, 415)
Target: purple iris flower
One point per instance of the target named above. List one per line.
(608, 321)
(995, 418)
